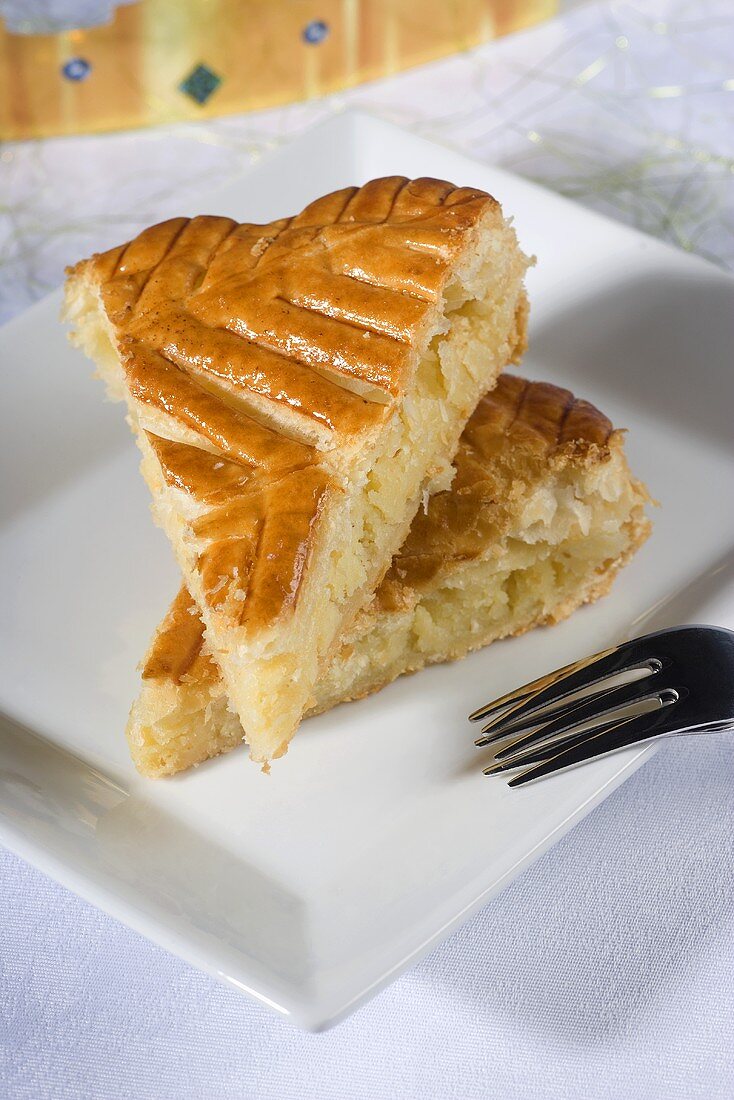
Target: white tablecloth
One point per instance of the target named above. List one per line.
(606, 970)
(603, 973)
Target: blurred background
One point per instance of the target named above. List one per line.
(79, 66)
(113, 116)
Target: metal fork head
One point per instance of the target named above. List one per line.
(673, 681)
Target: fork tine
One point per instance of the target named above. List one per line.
(529, 751)
(544, 750)
(620, 735)
(534, 686)
(551, 750)
(596, 708)
(556, 696)
(556, 685)
(574, 716)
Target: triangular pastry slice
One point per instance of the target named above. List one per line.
(296, 389)
(542, 514)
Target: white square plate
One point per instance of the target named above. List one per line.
(377, 834)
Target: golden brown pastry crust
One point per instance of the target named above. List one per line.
(516, 430)
(255, 530)
(204, 307)
(269, 347)
(296, 388)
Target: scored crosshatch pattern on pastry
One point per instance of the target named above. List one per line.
(541, 515)
(254, 531)
(539, 418)
(339, 290)
(315, 314)
(306, 376)
(542, 420)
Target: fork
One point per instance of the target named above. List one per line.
(673, 681)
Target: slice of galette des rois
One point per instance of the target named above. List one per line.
(542, 514)
(297, 389)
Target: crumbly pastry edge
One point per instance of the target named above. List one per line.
(637, 528)
(81, 272)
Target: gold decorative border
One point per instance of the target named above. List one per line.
(259, 50)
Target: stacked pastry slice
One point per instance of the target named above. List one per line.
(297, 390)
(542, 513)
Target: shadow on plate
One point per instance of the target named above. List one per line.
(704, 600)
(61, 425)
(662, 344)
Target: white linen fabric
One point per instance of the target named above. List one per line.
(603, 973)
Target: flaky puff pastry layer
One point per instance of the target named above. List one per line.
(296, 388)
(541, 515)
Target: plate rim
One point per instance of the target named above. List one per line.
(316, 1014)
